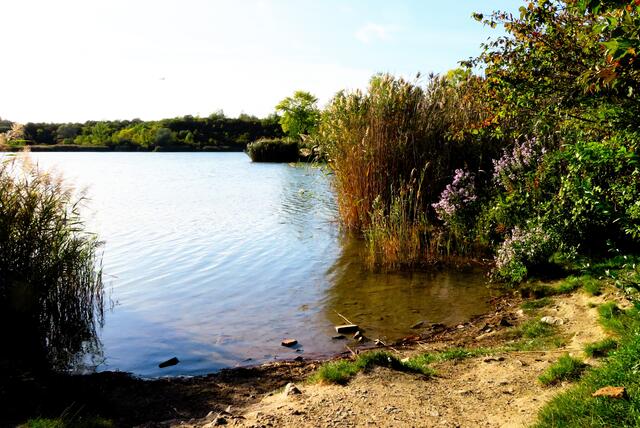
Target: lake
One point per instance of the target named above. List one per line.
(214, 259)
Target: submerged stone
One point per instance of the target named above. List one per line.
(289, 342)
(417, 325)
(170, 362)
(346, 328)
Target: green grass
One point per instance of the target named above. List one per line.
(535, 329)
(534, 335)
(612, 317)
(569, 285)
(577, 408)
(537, 291)
(566, 368)
(342, 371)
(91, 422)
(536, 304)
(591, 285)
(601, 348)
(458, 354)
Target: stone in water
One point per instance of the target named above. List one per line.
(170, 362)
(346, 328)
(289, 342)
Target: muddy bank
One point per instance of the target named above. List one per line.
(128, 400)
(500, 390)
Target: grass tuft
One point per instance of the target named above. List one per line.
(566, 368)
(91, 422)
(611, 317)
(601, 348)
(536, 304)
(340, 372)
(535, 329)
(578, 408)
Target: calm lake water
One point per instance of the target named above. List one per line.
(213, 259)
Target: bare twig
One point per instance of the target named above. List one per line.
(343, 317)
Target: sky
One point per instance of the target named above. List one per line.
(78, 60)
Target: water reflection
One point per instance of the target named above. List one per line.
(214, 260)
(388, 304)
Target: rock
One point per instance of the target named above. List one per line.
(485, 335)
(219, 421)
(504, 323)
(291, 389)
(520, 312)
(417, 325)
(298, 358)
(611, 392)
(552, 320)
(170, 362)
(338, 337)
(289, 342)
(493, 359)
(346, 328)
(460, 326)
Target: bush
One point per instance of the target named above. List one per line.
(50, 289)
(266, 150)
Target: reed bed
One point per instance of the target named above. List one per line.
(393, 150)
(51, 292)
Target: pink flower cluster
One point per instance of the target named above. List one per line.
(456, 195)
(512, 163)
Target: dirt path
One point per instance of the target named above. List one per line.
(497, 391)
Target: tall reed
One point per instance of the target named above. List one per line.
(375, 142)
(51, 293)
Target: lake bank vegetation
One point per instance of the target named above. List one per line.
(187, 133)
(299, 117)
(50, 278)
(531, 165)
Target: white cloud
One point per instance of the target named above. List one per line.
(372, 32)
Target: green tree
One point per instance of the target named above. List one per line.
(564, 66)
(299, 114)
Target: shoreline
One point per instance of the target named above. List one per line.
(74, 148)
(121, 393)
(484, 372)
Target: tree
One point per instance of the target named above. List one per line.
(299, 114)
(564, 63)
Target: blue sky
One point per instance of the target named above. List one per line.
(75, 60)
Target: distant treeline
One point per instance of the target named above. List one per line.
(215, 132)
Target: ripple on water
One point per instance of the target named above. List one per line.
(214, 259)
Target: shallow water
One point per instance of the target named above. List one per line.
(214, 259)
